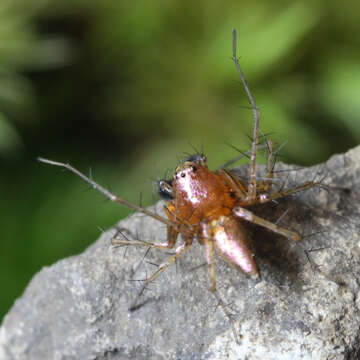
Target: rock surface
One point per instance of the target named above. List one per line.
(78, 307)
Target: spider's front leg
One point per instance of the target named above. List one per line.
(166, 192)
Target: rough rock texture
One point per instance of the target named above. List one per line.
(78, 308)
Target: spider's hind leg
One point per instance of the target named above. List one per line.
(247, 215)
(280, 194)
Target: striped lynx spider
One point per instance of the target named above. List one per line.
(210, 206)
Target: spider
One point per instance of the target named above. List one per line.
(210, 206)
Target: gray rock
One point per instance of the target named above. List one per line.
(305, 306)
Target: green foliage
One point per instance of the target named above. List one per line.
(124, 87)
(21, 50)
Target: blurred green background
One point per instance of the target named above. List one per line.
(124, 87)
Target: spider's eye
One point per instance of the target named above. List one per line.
(183, 175)
(194, 168)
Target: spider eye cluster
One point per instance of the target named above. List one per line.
(189, 164)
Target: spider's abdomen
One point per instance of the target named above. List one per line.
(231, 243)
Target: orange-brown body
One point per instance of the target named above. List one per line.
(204, 201)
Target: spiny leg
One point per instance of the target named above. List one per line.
(172, 235)
(251, 217)
(227, 314)
(279, 194)
(108, 194)
(264, 198)
(256, 112)
(241, 156)
(262, 187)
(269, 167)
(209, 248)
(180, 250)
(241, 189)
(235, 184)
